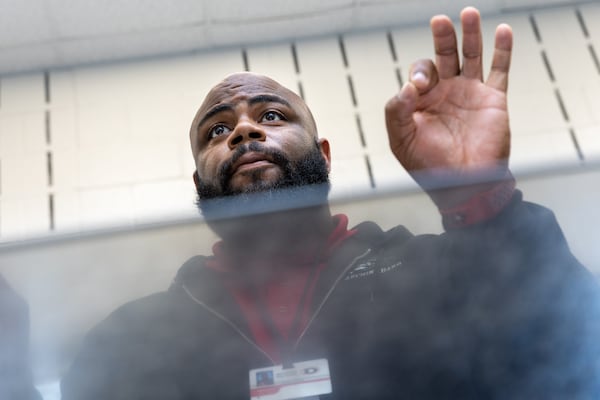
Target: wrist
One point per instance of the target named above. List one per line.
(475, 204)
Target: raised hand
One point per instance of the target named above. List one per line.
(446, 122)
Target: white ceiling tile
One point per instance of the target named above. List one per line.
(90, 18)
(133, 45)
(520, 4)
(279, 30)
(373, 14)
(272, 10)
(40, 34)
(27, 58)
(23, 22)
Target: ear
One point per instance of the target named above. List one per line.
(325, 151)
(196, 179)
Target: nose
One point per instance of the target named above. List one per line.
(246, 131)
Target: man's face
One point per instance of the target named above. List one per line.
(253, 135)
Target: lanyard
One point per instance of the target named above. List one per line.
(286, 347)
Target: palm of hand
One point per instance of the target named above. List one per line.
(460, 125)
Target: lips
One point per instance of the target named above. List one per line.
(249, 161)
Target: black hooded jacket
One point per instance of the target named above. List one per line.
(500, 310)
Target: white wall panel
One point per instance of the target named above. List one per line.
(11, 134)
(582, 104)
(389, 174)
(63, 87)
(564, 39)
(22, 133)
(375, 80)
(327, 93)
(128, 82)
(274, 61)
(589, 140)
(535, 114)
(159, 119)
(22, 92)
(540, 135)
(166, 199)
(205, 70)
(65, 146)
(539, 152)
(105, 145)
(187, 105)
(23, 216)
(101, 208)
(348, 177)
(24, 175)
(24, 206)
(34, 132)
(374, 77)
(155, 158)
(411, 45)
(67, 211)
(186, 160)
(591, 15)
(23, 153)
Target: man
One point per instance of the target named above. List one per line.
(294, 304)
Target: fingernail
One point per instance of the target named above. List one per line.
(419, 77)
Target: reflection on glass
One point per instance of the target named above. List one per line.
(292, 300)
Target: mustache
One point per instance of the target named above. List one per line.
(275, 156)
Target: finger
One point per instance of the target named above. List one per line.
(444, 41)
(498, 77)
(423, 75)
(472, 46)
(399, 117)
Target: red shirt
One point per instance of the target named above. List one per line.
(281, 296)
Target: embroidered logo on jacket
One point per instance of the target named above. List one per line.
(371, 266)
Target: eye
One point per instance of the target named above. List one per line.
(271, 116)
(217, 130)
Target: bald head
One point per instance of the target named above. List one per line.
(244, 86)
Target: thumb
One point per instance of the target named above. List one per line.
(399, 119)
(424, 75)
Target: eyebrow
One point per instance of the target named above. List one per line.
(261, 98)
(268, 98)
(214, 111)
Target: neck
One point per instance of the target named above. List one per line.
(284, 234)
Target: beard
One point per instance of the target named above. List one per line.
(303, 183)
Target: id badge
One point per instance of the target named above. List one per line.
(305, 379)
